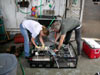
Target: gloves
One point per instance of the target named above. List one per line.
(38, 47)
(43, 46)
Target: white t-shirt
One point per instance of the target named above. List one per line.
(33, 26)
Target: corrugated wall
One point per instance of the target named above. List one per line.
(11, 17)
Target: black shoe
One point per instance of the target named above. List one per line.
(98, 73)
(27, 57)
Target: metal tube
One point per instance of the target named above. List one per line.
(82, 10)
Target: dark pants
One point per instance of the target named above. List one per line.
(77, 38)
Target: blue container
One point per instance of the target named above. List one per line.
(8, 64)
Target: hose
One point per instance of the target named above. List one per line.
(74, 1)
(24, 12)
(40, 8)
(21, 66)
(20, 9)
(51, 22)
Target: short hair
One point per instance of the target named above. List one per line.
(45, 30)
(56, 25)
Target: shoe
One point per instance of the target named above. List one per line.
(98, 73)
(27, 57)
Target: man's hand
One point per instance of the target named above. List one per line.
(43, 46)
(38, 47)
(61, 41)
(55, 42)
(55, 50)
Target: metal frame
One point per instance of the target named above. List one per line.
(71, 59)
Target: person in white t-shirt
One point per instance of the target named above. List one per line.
(35, 29)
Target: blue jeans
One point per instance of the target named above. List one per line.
(26, 40)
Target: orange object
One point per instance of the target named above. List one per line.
(33, 13)
(33, 9)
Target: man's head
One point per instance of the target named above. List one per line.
(56, 26)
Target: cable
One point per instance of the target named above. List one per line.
(30, 12)
(21, 10)
(51, 22)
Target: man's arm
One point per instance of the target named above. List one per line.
(41, 40)
(58, 35)
(32, 39)
(61, 41)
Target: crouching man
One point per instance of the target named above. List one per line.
(36, 29)
(64, 30)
